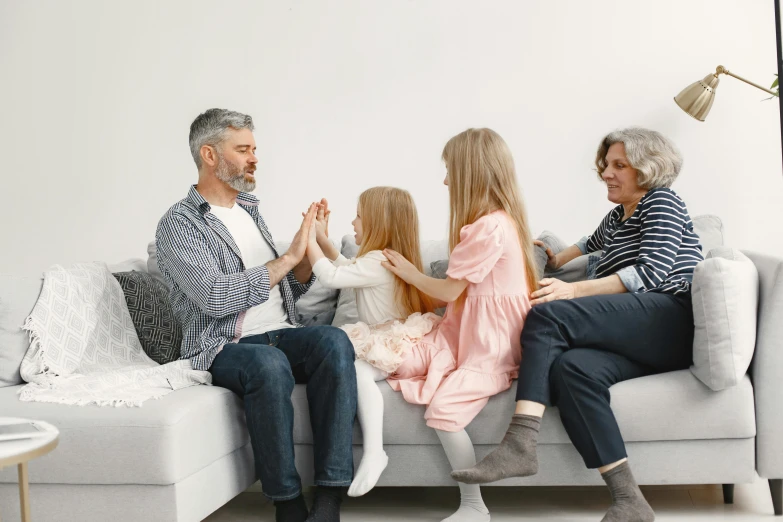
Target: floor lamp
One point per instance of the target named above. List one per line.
(696, 99)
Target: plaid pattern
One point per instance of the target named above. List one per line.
(210, 288)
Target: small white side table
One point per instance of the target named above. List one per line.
(20, 452)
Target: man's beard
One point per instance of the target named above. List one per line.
(234, 176)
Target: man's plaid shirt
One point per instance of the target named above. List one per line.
(210, 288)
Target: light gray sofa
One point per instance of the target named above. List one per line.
(183, 456)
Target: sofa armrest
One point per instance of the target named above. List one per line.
(767, 367)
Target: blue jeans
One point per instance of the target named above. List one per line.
(262, 370)
(574, 351)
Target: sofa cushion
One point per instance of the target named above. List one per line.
(710, 231)
(346, 312)
(148, 303)
(669, 406)
(18, 296)
(552, 242)
(160, 443)
(725, 301)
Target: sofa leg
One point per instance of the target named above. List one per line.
(728, 493)
(776, 488)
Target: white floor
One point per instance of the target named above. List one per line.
(752, 503)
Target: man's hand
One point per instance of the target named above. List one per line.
(321, 223)
(299, 244)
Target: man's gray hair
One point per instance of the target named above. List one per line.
(210, 128)
(655, 158)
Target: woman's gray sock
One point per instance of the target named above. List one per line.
(514, 457)
(628, 503)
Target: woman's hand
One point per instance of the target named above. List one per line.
(553, 290)
(552, 262)
(400, 266)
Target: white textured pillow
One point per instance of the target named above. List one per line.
(725, 300)
(18, 296)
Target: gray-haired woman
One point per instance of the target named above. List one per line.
(632, 318)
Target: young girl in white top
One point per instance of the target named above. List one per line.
(393, 314)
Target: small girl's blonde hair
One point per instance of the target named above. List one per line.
(389, 220)
(482, 179)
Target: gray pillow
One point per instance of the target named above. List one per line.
(153, 319)
(318, 305)
(348, 247)
(438, 268)
(347, 312)
(18, 296)
(573, 271)
(552, 242)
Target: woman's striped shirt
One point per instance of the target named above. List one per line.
(655, 250)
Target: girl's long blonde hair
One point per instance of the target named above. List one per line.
(389, 220)
(482, 179)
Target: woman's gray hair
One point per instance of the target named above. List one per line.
(655, 158)
(210, 129)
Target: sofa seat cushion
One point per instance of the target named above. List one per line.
(668, 406)
(160, 443)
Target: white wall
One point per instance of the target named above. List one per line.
(97, 99)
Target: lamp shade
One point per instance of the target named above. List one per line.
(696, 99)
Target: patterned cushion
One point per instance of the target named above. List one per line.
(153, 318)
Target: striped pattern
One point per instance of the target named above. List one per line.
(657, 242)
(210, 288)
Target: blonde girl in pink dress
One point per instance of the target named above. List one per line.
(394, 315)
(474, 353)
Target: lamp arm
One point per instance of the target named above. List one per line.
(723, 70)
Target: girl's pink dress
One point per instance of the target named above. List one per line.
(474, 352)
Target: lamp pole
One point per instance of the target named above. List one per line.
(780, 63)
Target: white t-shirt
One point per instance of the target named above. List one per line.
(270, 315)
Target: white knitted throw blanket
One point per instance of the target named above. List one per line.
(84, 348)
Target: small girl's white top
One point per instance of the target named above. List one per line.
(374, 285)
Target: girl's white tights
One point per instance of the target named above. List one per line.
(370, 413)
(459, 451)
